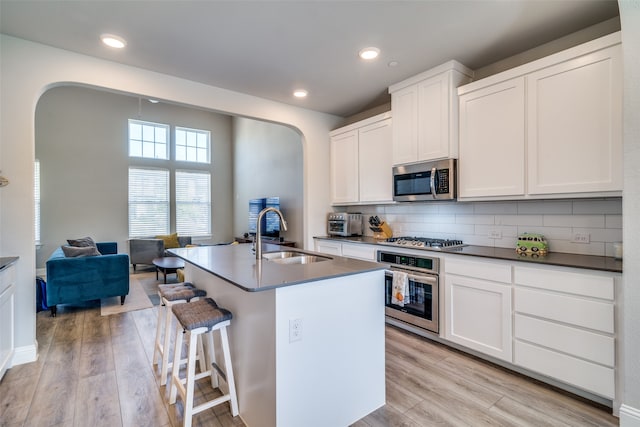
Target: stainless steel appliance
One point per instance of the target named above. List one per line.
(344, 224)
(425, 181)
(423, 243)
(421, 307)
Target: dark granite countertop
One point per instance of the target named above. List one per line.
(591, 262)
(7, 261)
(237, 265)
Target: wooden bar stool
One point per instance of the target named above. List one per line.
(170, 295)
(194, 319)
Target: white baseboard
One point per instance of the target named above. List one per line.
(629, 416)
(25, 354)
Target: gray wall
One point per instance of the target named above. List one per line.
(267, 163)
(81, 142)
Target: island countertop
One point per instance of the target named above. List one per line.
(238, 265)
(7, 261)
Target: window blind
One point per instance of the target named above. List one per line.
(193, 203)
(148, 202)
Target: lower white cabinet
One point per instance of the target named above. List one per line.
(328, 247)
(365, 252)
(7, 296)
(351, 250)
(565, 327)
(477, 310)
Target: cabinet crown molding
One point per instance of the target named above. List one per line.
(555, 58)
(361, 123)
(447, 66)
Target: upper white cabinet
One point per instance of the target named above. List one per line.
(344, 167)
(361, 162)
(492, 141)
(425, 114)
(574, 118)
(549, 128)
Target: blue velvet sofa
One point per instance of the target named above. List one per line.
(79, 279)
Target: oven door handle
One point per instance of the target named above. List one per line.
(424, 279)
(427, 280)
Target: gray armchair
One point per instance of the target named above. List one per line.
(144, 250)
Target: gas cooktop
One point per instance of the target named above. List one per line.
(423, 243)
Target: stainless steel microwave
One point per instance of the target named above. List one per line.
(425, 181)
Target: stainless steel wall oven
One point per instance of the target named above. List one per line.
(419, 307)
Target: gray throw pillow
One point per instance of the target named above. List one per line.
(76, 252)
(82, 242)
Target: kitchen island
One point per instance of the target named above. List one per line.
(307, 340)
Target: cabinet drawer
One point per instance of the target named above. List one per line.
(586, 375)
(575, 311)
(482, 270)
(365, 252)
(327, 247)
(576, 342)
(568, 282)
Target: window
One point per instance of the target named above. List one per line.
(149, 140)
(148, 202)
(36, 196)
(192, 145)
(193, 203)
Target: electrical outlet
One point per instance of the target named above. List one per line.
(581, 238)
(295, 330)
(494, 234)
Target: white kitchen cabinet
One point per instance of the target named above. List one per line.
(565, 327)
(478, 306)
(344, 167)
(361, 162)
(328, 247)
(351, 250)
(574, 125)
(492, 141)
(7, 302)
(550, 128)
(356, 250)
(425, 114)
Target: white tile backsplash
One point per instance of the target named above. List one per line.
(472, 222)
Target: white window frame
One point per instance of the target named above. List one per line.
(193, 203)
(153, 190)
(192, 145)
(153, 142)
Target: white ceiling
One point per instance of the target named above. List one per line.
(268, 48)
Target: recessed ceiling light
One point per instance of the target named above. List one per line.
(113, 41)
(369, 53)
(300, 93)
(153, 101)
(393, 64)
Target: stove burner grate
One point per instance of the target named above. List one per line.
(424, 242)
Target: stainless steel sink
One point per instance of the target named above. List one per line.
(293, 257)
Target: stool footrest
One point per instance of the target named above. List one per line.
(219, 371)
(211, 403)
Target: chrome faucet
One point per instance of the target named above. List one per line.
(257, 244)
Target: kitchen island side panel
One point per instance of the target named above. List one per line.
(252, 342)
(334, 374)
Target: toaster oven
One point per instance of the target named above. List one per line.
(344, 224)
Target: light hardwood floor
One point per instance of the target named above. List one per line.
(96, 371)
